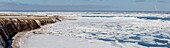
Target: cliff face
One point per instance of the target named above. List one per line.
(9, 27)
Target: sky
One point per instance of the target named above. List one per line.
(117, 5)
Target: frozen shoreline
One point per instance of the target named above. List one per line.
(61, 40)
(96, 33)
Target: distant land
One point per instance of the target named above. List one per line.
(162, 12)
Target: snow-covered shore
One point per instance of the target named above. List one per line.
(97, 33)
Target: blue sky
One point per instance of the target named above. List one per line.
(122, 5)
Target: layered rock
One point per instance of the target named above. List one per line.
(9, 27)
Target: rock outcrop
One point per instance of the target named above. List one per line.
(9, 27)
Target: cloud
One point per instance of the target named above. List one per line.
(161, 1)
(86, 0)
(101, 0)
(92, 0)
(140, 0)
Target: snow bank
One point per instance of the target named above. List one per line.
(116, 32)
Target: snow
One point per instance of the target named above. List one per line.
(89, 32)
(53, 41)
